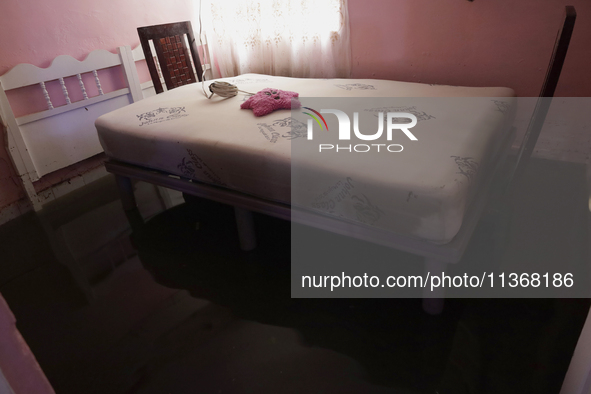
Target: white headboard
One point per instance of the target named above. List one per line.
(59, 136)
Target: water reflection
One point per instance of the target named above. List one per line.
(195, 247)
(474, 345)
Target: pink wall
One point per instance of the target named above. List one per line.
(480, 43)
(37, 31)
(17, 363)
(42, 30)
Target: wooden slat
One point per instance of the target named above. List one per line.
(172, 53)
(130, 72)
(82, 87)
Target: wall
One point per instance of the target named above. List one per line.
(479, 43)
(37, 31)
(483, 43)
(42, 30)
(18, 367)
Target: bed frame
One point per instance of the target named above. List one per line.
(436, 256)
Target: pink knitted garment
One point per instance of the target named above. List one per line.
(268, 100)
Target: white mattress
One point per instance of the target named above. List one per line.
(423, 191)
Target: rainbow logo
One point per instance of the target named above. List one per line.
(315, 118)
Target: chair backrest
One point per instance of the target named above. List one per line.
(545, 100)
(176, 55)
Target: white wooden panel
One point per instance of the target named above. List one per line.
(46, 141)
(62, 66)
(16, 145)
(65, 108)
(59, 141)
(130, 72)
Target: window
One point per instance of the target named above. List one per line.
(303, 38)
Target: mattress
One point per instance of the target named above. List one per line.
(422, 192)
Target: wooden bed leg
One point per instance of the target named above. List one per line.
(126, 192)
(433, 300)
(132, 212)
(246, 232)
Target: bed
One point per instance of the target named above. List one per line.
(426, 201)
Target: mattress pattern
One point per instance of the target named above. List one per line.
(183, 133)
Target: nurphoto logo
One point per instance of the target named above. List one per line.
(393, 122)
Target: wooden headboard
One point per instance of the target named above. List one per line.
(59, 136)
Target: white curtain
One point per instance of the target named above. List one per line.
(297, 38)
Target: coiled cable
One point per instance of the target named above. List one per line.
(224, 89)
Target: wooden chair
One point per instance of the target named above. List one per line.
(553, 72)
(176, 60)
(511, 178)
